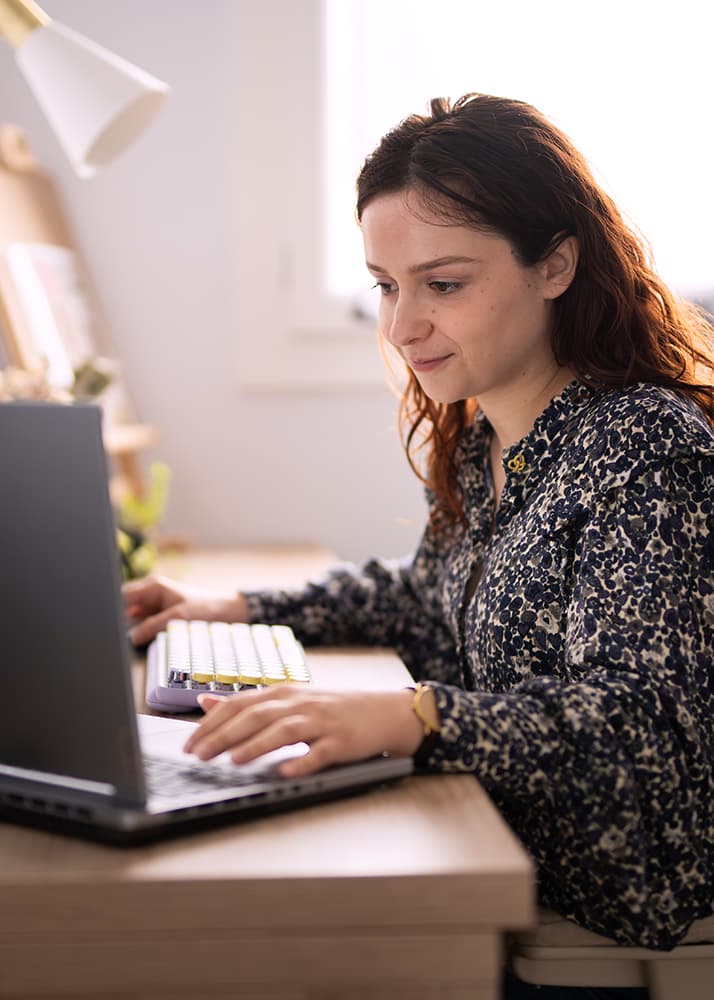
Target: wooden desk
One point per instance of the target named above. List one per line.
(402, 892)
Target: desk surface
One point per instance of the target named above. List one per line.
(403, 891)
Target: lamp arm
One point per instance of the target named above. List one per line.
(19, 18)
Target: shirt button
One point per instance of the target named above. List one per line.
(517, 463)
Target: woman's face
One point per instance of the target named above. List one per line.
(466, 316)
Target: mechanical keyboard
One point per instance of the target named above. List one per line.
(193, 657)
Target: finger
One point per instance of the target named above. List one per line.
(322, 752)
(138, 591)
(218, 712)
(207, 701)
(148, 629)
(135, 586)
(248, 733)
(231, 732)
(282, 732)
(135, 612)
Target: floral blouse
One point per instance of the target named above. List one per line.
(569, 638)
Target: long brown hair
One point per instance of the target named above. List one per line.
(500, 166)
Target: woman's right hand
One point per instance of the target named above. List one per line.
(153, 601)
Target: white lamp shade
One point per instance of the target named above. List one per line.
(95, 101)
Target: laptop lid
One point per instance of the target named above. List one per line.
(67, 705)
(69, 730)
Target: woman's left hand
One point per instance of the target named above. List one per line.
(337, 726)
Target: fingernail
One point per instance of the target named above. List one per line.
(201, 750)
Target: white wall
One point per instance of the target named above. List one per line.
(155, 229)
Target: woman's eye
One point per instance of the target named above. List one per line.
(445, 287)
(385, 287)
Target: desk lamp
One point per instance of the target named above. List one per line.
(95, 101)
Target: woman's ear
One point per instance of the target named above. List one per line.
(558, 268)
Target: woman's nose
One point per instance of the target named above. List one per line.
(406, 323)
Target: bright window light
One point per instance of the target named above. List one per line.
(629, 82)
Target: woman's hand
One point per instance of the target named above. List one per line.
(152, 602)
(337, 726)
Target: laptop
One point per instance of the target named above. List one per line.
(74, 755)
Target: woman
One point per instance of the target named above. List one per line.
(560, 606)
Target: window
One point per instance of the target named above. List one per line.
(320, 80)
(291, 332)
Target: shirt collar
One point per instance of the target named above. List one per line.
(526, 462)
(552, 428)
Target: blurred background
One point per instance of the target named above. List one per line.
(223, 248)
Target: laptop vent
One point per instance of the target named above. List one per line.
(13, 800)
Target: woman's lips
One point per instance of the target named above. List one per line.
(427, 364)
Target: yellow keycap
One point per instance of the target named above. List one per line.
(202, 676)
(298, 675)
(251, 676)
(224, 676)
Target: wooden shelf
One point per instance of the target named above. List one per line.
(129, 438)
(35, 233)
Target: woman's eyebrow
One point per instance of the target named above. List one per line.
(428, 264)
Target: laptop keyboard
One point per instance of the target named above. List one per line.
(192, 657)
(171, 779)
